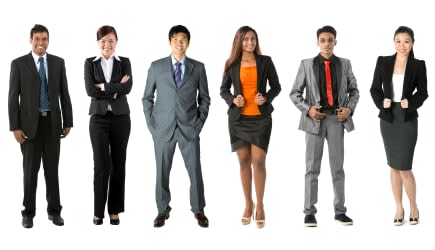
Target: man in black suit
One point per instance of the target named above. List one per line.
(37, 86)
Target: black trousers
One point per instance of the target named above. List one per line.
(109, 137)
(45, 145)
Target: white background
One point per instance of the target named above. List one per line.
(287, 32)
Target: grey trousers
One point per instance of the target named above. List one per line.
(333, 132)
(190, 151)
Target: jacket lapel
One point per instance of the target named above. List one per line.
(409, 70)
(31, 65)
(316, 86)
(188, 71)
(388, 76)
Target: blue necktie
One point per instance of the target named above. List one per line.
(177, 74)
(43, 98)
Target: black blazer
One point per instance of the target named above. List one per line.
(415, 79)
(265, 73)
(24, 95)
(114, 92)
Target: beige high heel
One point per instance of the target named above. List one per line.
(259, 222)
(247, 220)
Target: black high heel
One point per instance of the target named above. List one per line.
(415, 221)
(400, 221)
(98, 221)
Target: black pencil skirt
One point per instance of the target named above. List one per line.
(399, 138)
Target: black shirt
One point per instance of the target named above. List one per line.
(322, 80)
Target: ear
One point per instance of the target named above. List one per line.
(335, 42)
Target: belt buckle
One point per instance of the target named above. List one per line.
(44, 114)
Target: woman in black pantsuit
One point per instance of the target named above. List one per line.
(108, 80)
(399, 88)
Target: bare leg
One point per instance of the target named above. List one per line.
(259, 164)
(408, 180)
(245, 160)
(396, 186)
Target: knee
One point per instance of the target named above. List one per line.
(259, 163)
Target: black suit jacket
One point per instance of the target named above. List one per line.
(265, 73)
(114, 92)
(24, 95)
(415, 79)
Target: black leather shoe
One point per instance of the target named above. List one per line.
(98, 221)
(27, 222)
(56, 219)
(202, 219)
(160, 220)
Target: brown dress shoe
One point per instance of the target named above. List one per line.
(202, 219)
(160, 220)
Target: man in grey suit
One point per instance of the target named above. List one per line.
(40, 113)
(327, 109)
(177, 115)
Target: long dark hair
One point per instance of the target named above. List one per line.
(236, 51)
(410, 32)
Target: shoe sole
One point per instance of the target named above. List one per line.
(310, 225)
(345, 223)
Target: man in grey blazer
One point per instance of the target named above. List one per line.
(327, 109)
(177, 115)
(40, 113)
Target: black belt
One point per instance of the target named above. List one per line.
(328, 111)
(44, 113)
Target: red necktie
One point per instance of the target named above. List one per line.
(329, 97)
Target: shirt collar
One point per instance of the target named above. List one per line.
(174, 61)
(333, 59)
(113, 56)
(36, 57)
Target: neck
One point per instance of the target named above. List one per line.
(178, 57)
(248, 56)
(400, 57)
(326, 56)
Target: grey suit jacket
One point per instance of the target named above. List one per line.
(308, 79)
(185, 107)
(24, 95)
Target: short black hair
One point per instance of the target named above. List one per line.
(38, 28)
(328, 29)
(179, 29)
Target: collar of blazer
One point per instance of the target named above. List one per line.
(188, 70)
(338, 69)
(388, 70)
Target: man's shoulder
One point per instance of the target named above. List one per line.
(55, 58)
(193, 61)
(21, 58)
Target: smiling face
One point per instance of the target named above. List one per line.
(179, 44)
(39, 43)
(249, 42)
(403, 43)
(326, 43)
(107, 45)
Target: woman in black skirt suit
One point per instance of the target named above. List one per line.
(250, 108)
(399, 88)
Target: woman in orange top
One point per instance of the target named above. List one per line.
(249, 113)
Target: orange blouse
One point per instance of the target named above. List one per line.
(248, 80)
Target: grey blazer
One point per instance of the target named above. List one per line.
(308, 78)
(185, 107)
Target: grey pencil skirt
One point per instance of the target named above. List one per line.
(399, 138)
